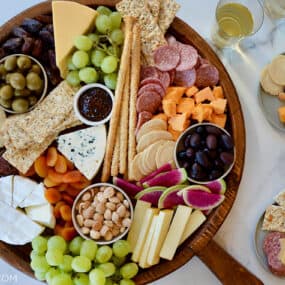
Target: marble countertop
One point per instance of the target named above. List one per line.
(265, 153)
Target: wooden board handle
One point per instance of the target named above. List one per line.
(225, 267)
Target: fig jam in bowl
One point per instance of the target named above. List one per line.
(93, 104)
(206, 151)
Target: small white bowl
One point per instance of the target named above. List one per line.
(74, 213)
(76, 108)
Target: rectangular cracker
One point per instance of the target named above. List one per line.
(168, 10)
(274, 219)
(154, 7)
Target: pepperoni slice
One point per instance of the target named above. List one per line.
(207, 75)
(166, 57)
(149, 102)
(143, 117)
(171, 75)
(149, 80)
(185, 78)
(164, 78)
(188, 57)
(152, 87)
(148, 71)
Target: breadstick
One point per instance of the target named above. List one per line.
(116, 156)
(124, 126)
(125, 59)
(135, 78)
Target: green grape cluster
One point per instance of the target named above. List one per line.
(97, 54)
(81, 262)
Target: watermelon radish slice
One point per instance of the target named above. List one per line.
(168, 179)
(163, 168)
(218, 186)
(200, 199)
(169, 198)
(131, 189)
(151, 195)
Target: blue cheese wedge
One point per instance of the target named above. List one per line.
(6, 190)
(17, 228)
(85, 148)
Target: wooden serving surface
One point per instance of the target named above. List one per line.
(18, 256)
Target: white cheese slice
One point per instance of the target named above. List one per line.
(175, 232)
(85, 148)
(42, 214)
(6, 189)
(16, 227)
(37, 197)
(196, 219)
(23, 187)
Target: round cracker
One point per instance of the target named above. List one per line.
(268, 84)
(151, 125)
(149, 155)
(276, 70)
(165, 154)
(142, 167)
(152, 137)
(135, 169)
(2, 120)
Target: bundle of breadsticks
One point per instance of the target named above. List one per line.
(121, 141)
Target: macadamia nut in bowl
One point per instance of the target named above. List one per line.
(102, 212)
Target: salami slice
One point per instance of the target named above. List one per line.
(143, 117)
(154, 80)
(148, 71)
(188, 57)
(185, 78)
(207, 75)
(166, 57)
(164, 78)
(152, 87)
(149, 102)
(171, 75)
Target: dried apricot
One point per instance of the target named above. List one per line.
(49, 183)
(41, 167)
(81, 184)
(61, 164)
(52, 156)
(68, 199)
(52, 195)
(56, 209)
(65, 212)
(54, 176)
(58, 229)
(69, 164)
(73, 192)
(72, 177)
(62, 187)
(68, 233)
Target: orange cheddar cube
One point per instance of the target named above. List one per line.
(191, 91)
(281, 113)
(179, 122)
(218, 92)
(169, 107)
(219, 105)
(219, 120)
(186, 105)
(203, 95)
(175, 134)
(160, 116)
(207, 112)
(174, 93)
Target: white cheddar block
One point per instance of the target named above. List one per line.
(161, 229)
(196, 219)
(139, 214)
(143, 258)
(175, 232)
(145, 226)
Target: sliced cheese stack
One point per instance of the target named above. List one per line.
(18, 193)
(156, 233)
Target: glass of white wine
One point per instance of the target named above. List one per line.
(235, 20)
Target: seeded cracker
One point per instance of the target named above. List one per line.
(274, 219)
(154, 7)
(151, 35)
(168, 10)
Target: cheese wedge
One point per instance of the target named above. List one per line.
(36, 198)
(161, 229)
(85, 148)
(6, 190)
(175, 232)
(196, 219)
(70, 19)
(145, 226)
(139, 213)
(42, 214)
(16, 227)
(143, 258)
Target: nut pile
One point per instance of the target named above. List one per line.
(103, 213)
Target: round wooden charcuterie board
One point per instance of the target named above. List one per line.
(18, 256)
